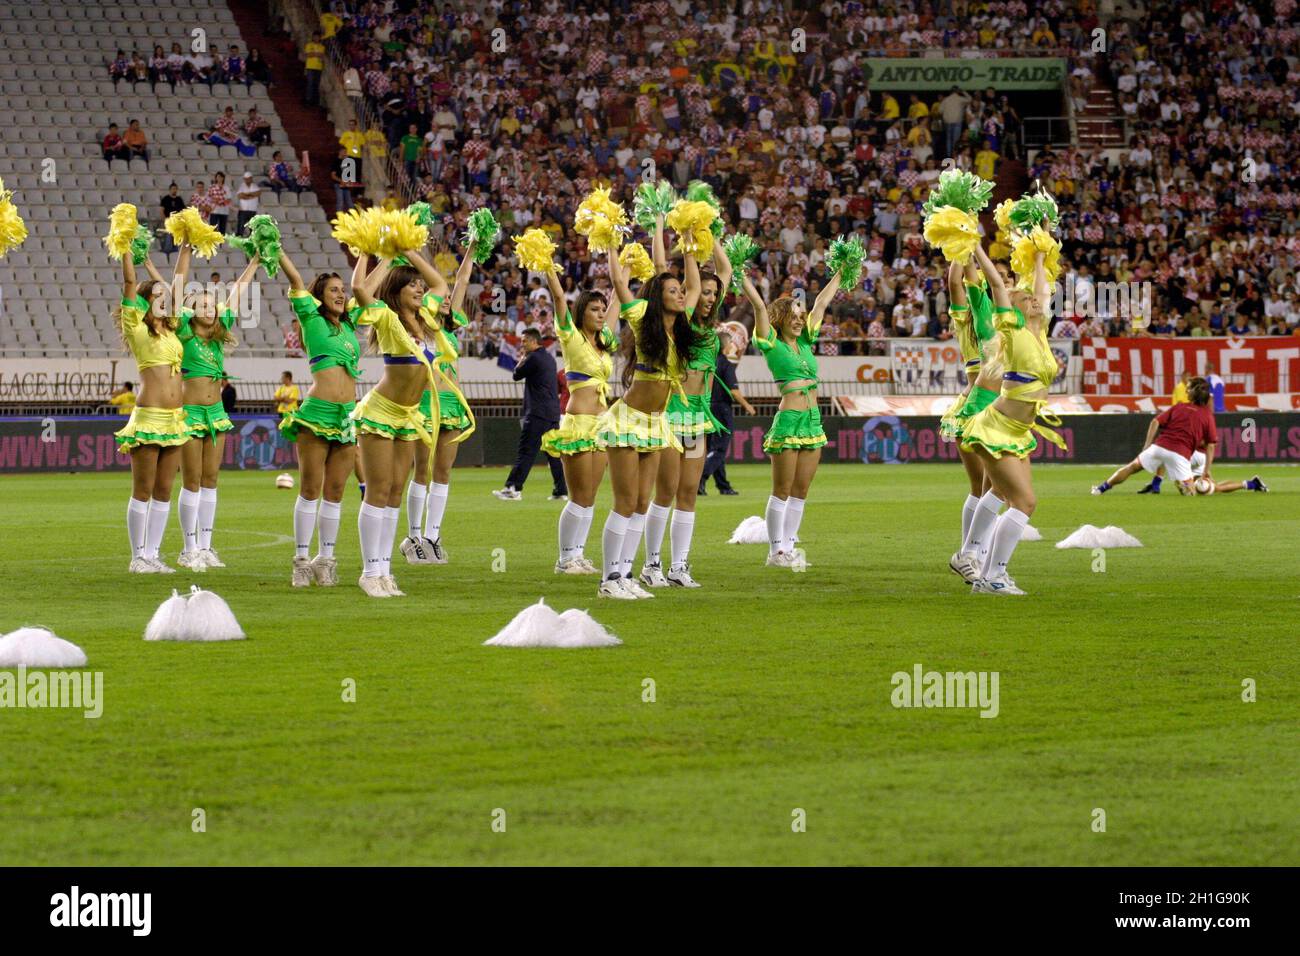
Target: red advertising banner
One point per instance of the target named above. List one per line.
(1145, 366)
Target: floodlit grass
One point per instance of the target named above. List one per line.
(1119, 690)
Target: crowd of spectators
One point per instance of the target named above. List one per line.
(196, 66)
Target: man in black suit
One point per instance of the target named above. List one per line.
(541, 413)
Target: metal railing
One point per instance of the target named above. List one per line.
(1039, 131)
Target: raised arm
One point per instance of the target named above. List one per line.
(823, 301)
(997, 288)
(693, 281)
(361, 278)
(762, 327)
(1042, 288)
(461, 286)
(128, 279)
(183, 259)
(619, 278)
(431, 276)
(957, 285)
(291, 273)
(245, 277)
(658, 250)
(152, 269)
(721, 268)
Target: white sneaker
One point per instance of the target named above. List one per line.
(159, 567)
(1096, 490)
(613, 588)
(413, 550)
(210, 559)
(508, 494)
(652, 575)
(964, 564)
(778, 559)
(325, 570)
(374, 587)
(1002, 585)
(799, 560)
(302, 574)
(572, 566)
(587, 566)
(192, 560)
(141, 566)
(681, 577)
(390, 584)
(436, 554)
(557, 497)
(633, 586)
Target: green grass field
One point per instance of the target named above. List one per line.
(1119, 690)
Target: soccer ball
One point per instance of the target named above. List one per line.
(1203, 486)
(284, 480)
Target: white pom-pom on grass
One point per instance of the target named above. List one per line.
(1090, 537)
(166, 621)
(284, 480)
(207, 618)
(39, 647)
(1031, 534)
(539, 626)
(753, 530)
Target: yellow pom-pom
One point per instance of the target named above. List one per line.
(956, 233)
(1002, 215)
(188, 227)
(397, 232)
(1022, 257)
(692, 221)
(348, 228)
(535, 251)
(999, 249)
(12, 228)
(123, 222)
(637, 262)
(601, 220)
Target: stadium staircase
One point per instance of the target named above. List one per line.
(1097, 125)
(309, 128)
(56, 101)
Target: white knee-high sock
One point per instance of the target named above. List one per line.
(207, 517)
(330, 513)
(187, 506)
(775, 517)
(570, 527)
(159, 511)
(980, 532)
(656, 520)
(304, 525)
(392, 517)
(683, 529)
(584, 532)
(1011, 525)
(631, 543)
(790, 526)
(415, 498)
(437, 508)
(370, 528)
(137, 524)
(967, 515)
(611, 543)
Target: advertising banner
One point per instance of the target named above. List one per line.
(935, 73)
(1146, 366)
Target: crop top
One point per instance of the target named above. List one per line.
(447, 346)
(585, 366)
(203, 358)
(791, 364)
(149, 350)
(632, 313)
(327, 346)
(972, 326)
(1027, 357)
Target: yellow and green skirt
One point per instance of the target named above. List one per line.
(576, 434)
(999, 434)
(625, 427)
(325, 419)
(204, 421)
(689, 416)
(452, 413)
(376, 415)
(963, 410)
(153, 426)
(795, 430)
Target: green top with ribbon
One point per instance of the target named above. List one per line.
(328, 345)
(789, 364)
(202, 358)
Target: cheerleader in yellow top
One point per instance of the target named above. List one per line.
(156, 430)
(389, 424)
(1002, 434)
(588, 345)
(452, 423)
(635, 428)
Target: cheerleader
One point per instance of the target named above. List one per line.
(452, 424)
(635, 428)
(322, 426)
(204, 331)
(692, 421)
(588, 345)
(156, 430)
(393, 300)
(786, 336)
(1000, 434)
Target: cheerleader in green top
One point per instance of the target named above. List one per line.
(426, 503)
(588, 345)
(204, 331)
(1001, 434)
(635, 428)
(322, 427)
(785, 337)
(692, 421)
(155, 432)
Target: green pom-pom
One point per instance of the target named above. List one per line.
(1029, 211)
(421, 213)
(140, 245)
(482, 234)
(740, 249)
(651, 201)
(957, 187)
(263, 243)
(844, 259)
